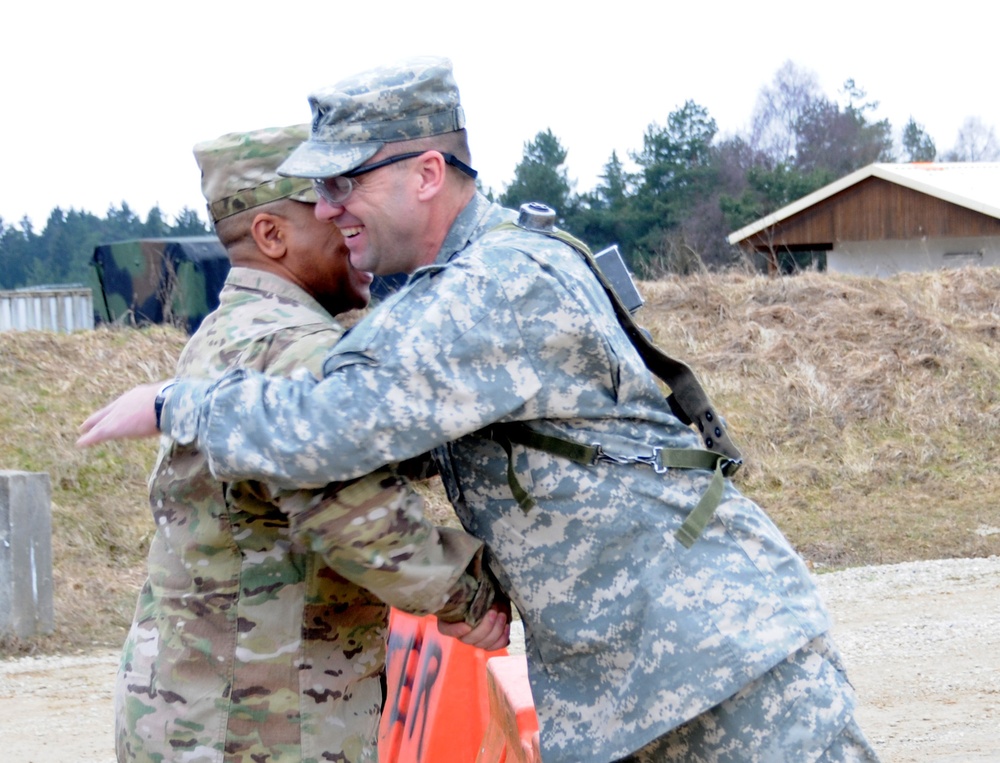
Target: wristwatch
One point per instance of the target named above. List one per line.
(161, 397)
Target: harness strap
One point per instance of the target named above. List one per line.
(688, 399)
(659, 459)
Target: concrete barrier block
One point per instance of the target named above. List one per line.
(25, 554)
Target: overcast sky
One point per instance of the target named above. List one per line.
(102, 101)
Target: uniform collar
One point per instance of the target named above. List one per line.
(478, 216)
(263, 281)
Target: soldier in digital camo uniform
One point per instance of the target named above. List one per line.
(640, 647)
(254, 637)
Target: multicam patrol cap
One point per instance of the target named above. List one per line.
(239, 170)
(354, 118)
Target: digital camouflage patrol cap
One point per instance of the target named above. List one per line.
(239, 170)
(354, 118)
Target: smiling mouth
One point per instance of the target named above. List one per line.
(351, 232)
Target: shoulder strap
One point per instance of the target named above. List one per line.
(688, 399)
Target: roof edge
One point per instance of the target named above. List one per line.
(884, 170)
(804, 203)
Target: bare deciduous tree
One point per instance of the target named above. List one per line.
(779, 109)
(976, 143)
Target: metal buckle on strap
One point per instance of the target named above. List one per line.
(654, 459)
(730, 466)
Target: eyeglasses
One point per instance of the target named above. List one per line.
(335, 190)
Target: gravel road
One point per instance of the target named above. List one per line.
(922, 646)
(921, 641)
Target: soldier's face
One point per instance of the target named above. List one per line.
(322, 262)
(380, 220)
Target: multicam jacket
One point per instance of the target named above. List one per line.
(249, 642)
(629, 634)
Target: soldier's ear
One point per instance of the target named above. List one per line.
(430, 170)
(268, 233)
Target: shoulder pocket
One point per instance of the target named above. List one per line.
(337, 360)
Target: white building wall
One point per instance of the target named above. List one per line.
(885, 258)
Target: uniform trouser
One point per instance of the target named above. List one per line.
(801, 711)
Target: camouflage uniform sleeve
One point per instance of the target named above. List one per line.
(444, 360)
(373, 532)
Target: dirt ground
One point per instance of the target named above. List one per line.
(921, 642)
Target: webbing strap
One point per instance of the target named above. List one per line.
(660, 459)
(688, 400)
(695, 522)
(522, 496)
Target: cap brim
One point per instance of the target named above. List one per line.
(319, 159)
(308, 196)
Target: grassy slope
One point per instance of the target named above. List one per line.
(870, 409)
(869, 412)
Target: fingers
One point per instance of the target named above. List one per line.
(492, 632)
(498, 636)
(91, 430)
(93, 420)
(454, 630)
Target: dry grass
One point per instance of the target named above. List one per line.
(100, 517)
(869, 412)
(869, 409)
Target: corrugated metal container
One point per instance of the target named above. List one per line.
(47, 309)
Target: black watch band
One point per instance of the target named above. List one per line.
(158, 402)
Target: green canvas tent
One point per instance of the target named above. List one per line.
(165, 280)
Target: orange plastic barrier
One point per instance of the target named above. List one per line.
(437, 705)
(512, 733)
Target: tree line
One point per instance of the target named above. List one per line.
(691, 187)
(62, 252)
(669, 210)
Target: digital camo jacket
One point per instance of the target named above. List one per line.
(249, 642)
(628, 633)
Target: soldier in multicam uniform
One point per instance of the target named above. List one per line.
(260, 631)
(640, 647)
